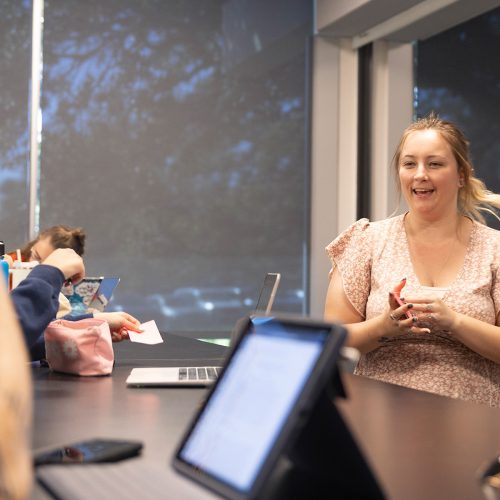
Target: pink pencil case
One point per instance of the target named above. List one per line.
(79, 347)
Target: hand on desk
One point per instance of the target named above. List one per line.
(119, 324)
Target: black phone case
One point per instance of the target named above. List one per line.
(89, 451)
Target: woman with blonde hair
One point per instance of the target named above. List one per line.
(444, 337)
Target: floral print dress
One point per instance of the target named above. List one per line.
(371, 258)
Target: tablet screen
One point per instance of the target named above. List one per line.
(246, 412)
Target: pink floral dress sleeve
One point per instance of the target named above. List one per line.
(496, 286)
(351, 253)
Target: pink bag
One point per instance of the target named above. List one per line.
(79, 347)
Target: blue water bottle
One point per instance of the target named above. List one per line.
(4, 264)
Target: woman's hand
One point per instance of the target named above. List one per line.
(119, 324)
(433, 313)
(422, 318)
(398, 319)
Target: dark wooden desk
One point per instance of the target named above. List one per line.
(69, 409)
(421, 446)
(177, 350)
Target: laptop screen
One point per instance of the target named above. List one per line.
(267, 293)
(244, 416)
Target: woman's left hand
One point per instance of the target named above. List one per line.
(433, 313)
(119, 324)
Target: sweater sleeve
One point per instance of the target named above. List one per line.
(78, 317)
(36, 300)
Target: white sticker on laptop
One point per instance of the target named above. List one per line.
(150, 335)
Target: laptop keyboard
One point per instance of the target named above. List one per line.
(199, 373)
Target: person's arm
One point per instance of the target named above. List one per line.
(36, 298)
(363, 335)
(119, 324)
(348, 292)
(477, 335)
(36, 301)
(77, 317)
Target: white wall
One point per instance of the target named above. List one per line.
(334, 154)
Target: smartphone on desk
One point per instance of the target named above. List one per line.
(89, 451)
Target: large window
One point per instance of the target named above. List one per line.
(458, 76)
(174, 133)
(15, 64)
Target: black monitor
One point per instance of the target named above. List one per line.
(268, 427)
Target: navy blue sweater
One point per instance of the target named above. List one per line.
(36, 300)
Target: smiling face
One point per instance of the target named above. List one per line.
(429, 174)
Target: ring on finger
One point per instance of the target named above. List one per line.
(393, 317)
(428, 307)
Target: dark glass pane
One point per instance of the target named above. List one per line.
(15, 68)
(174, 133)
(458, 76)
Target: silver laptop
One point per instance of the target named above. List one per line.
(201, 375)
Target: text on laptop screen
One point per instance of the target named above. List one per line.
(245, 414)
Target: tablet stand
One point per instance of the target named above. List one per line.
(325, 461)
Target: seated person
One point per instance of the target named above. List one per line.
(36, 298)
(62, 236)
(41, 249)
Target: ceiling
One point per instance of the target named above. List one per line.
(401, 20)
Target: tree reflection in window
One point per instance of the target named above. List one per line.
(181, 128)
(15, 67)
